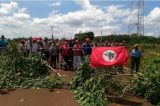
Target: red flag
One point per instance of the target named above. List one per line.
(109, 56)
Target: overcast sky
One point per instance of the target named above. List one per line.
(23, 18)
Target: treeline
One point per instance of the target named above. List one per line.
(118, 38)
(130, 40)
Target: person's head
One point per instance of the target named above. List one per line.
(2, 37)
(77, 41)
(53, 42)
(136, 46)
(40, 39)
(121, 44)
(56, 40)
(87, 40)
(34, 41)
(116, 43)
(30, 38)
(45, 39)
(65, 42)
(22, 42)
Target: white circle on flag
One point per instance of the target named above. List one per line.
(109, 55)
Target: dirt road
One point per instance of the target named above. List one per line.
(42, 97)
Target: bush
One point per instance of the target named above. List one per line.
(147, 83)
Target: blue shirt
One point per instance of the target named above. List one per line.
(136, 53)
(87, 48)
(3, 42)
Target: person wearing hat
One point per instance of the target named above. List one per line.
(136, 55)
(77, 52)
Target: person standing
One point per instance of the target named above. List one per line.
(35, 47)
(77, 52)
(64, 50)
(46, 47)
(58, 45)
(87, 47)
(53, 54)
(29, 46)
(23, 48)
(3, 43)
(136, 55)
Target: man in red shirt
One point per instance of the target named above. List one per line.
(77, 51)
(64, 50)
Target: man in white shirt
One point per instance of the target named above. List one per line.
(29, 46)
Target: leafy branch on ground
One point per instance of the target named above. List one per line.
(91, 86)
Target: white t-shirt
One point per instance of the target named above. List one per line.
(28, 45)
(34, 48)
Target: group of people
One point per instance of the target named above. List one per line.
(68, 53)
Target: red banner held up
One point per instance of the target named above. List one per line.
(109, 56)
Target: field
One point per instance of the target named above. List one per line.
(33, 83)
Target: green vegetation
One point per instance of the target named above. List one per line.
(16, 71)
(147, 82)
(130, 40)
(82, 36)
(90, 86)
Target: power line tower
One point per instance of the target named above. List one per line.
(136, 19)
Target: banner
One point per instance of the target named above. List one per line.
(109, 56)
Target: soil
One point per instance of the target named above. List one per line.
(59, 97)
(42, 97)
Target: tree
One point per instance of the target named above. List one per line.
(82, 36)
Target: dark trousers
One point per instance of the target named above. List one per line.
(53, 60)
(135, 62)
(28, 52)
(57, 58)
(47, 55)
(68, 61)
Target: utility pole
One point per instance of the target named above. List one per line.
(52, 32)
(101, 30)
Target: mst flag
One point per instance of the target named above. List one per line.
(109, 56)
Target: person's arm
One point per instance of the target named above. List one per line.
(83, 48)
(131, 53)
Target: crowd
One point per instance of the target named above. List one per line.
(68, 53)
